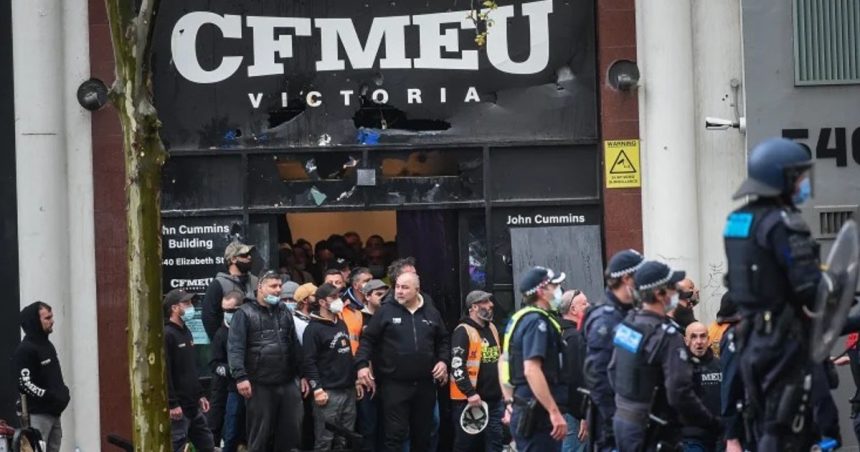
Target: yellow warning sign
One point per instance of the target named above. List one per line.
(621, 160)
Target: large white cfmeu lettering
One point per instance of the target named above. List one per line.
(273, 41)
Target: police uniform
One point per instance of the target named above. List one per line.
(598, 329)
(773, 273)
(652, 376)
(534, 333)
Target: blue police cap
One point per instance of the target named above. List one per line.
(537, 277)
(623, 263)
(653, 274)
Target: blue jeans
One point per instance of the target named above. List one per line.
(234, 422)
(571, 442)
(490, 440)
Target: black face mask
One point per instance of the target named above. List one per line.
(243, 266)
(684, 316)
(694, 300)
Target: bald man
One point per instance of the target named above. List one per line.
(706, 378)
(408, 344)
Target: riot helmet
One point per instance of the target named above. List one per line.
(773, 168)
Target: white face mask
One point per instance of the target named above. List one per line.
(336, 307)
(556, 298)
(673, 302)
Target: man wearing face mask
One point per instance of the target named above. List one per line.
(233, 418)
(773, 276)
(651, 372)
(531, 371)
(305, 303)
(688, 297)
(266, 360)
(475, 373)
(185, 395)
(237, 258)
(329, 369)
(354, 302)
(599, 328)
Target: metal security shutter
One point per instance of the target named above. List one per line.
(826, 42)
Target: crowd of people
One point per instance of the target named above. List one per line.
(328, 355)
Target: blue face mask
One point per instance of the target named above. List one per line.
(291, 305)
(188, 315)
(272, 299)
(804, 192)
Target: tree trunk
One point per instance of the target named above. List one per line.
(144, 156)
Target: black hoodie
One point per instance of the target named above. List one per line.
(38, 368)
(328, 355)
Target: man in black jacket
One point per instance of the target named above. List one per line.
(411, 343)
(266, 359)
(185, 395)
(237, 258)
(574, 303)
(233, 424)
(706, 382)
(40, 378)
(329, 369)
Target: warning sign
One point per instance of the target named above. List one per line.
(621, 160)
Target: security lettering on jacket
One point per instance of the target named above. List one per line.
(475, 355)
(406, 345)
(707, 379)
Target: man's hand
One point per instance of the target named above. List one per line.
(559, 426)
(474, 400)
(359, 391)
(176, 413)
(583, 430)
(305, 387)
(841, 361)
(365, 377)
(440, 371)
(506, 418)
(320, 397)
(204, 405)
(734, 445)
(244, 388)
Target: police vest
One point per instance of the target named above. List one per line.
(354, 323)
(512, 364)
(636, 375)
(755, 279)
(473, 358)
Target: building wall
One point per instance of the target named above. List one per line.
(618, 118)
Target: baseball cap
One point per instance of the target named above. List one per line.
(288, 290)
(304, 291)
(236, 248)
(372, 285)
(537, 277)
(326, 290)
(476, 296)
(175, 297)
(654, 274)
(623, 263)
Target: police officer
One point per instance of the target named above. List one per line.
(650, 369)
(706, 381)
(773, 274)
(599, 326)
(532, 365)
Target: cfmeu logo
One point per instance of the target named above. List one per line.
(29, 385)
(438, 37)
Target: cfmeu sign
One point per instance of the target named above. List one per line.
(621, 163)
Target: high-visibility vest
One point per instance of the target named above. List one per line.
(473, 358)
(504, 363)
(354, 323)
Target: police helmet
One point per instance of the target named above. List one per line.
(773, 167)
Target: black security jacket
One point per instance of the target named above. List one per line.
(38, 368)
(183, 383)
(573, 370)
(218, 365)
(328, 354)
(407, 345)
(262, 345)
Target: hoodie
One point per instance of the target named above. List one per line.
(213, 315)
(328, 355)
(38, 368)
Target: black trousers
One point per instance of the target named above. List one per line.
(274, 417)
(407, 410)
(217, 407)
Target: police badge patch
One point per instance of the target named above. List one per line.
(627, 338)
